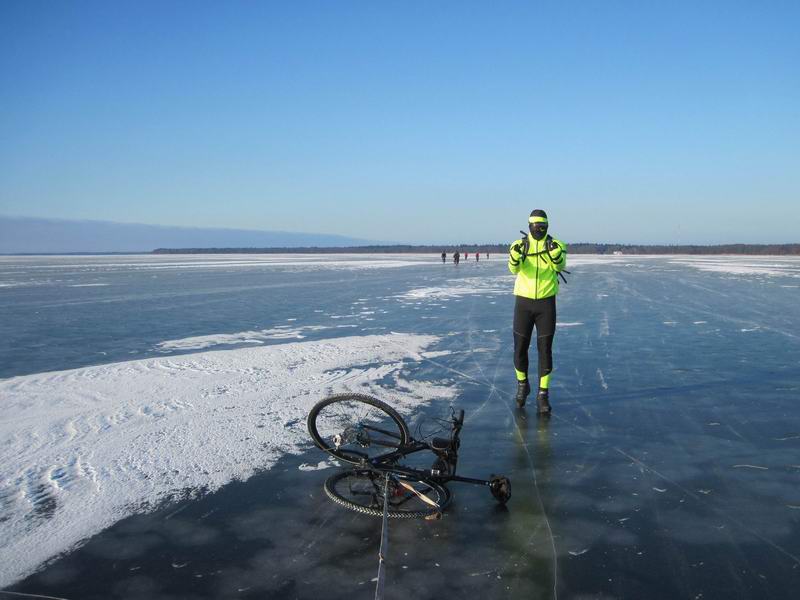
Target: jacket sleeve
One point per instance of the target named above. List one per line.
(514, 262)
(559, 256)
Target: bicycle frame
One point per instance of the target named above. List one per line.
(448, 454)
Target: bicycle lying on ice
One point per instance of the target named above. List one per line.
(372, 437)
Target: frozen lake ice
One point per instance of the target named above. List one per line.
(153, 439)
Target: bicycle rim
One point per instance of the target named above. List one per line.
(362, 490)
(356, 427)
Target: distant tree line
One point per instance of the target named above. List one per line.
(581, 248)
(788, 249)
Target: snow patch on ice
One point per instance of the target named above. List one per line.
(458, 288)
(283, 332)
(574, 260)
(227, 261)
(605, 329)
(436, 353)
(10, 284)
(87, 447)
(323, 464)
(602, 379)
(440, 293)
(743, 265)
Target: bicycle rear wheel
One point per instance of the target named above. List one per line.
(356, 427)
(362, 490)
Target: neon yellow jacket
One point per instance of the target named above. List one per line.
(537, 276)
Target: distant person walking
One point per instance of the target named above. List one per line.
(456, 257)
(536, 260)
(477, 256)
(444, 256)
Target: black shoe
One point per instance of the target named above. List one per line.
(523, 389)
(543, 402)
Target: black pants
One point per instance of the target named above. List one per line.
(542, 314)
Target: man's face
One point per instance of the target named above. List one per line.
(538, 230)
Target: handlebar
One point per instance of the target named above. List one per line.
(458, 423)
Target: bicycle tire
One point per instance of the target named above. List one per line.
(436, 492)
(357, 454)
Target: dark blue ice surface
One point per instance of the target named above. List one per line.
(669, 469)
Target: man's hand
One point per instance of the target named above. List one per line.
(552, 244)
(517, 251)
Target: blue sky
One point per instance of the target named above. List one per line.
(409, 121)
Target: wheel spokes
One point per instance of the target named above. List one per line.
(356, 428)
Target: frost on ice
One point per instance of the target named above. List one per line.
(84, 448)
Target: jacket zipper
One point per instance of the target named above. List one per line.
(536, 289)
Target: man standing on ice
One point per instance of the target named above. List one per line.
(537, 260)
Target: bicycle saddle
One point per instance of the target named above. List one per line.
(441, 443)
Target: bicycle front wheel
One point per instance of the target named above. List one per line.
(362, 490)
(356, 427)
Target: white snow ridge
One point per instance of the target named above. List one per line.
(84, 448)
